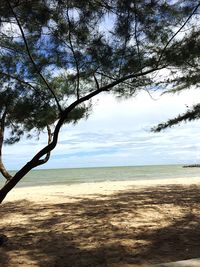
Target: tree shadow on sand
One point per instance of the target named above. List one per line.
(129, 228)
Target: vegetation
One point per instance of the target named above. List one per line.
(57, 55)
(184, 55)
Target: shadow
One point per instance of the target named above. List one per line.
(138, 227)
(3, 258)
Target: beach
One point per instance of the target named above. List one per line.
(110, 223)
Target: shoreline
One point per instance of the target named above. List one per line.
(52, 193)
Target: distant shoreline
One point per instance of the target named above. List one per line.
(70, 176)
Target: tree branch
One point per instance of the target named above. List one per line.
(74, 55)
(115, 79)
(31, 58)
(136, 37)
(174, 35)
(3, 170)
(50, 136)
(35, 161)
(11, 49)
(17, 79)
(96, 81)
(124, 47)
(189, 115)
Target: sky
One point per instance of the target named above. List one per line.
(118, 133)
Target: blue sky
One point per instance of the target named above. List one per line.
(118, 133)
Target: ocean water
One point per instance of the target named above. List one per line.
(85, 175)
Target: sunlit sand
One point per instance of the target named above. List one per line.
(102, 224)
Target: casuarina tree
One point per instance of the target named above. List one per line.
(184, 55)
(57, 55)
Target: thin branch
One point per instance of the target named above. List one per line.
(11, 49)
(174, 35)
(124, 47)
(136, 37)
(50, 137)
(150, 95)
(130, 85)
(17, 79)
(96, 81)
(74, 55)
(191, 65)
(115, 79)
(31, 58)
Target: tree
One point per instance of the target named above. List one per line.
(42, 114)
(58, 55)
(37, 102)
(184, 74)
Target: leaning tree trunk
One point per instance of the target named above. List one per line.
(3, 170)
(36, 161)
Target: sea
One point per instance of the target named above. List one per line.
(100, 174)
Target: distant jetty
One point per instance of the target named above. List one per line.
(192, 166)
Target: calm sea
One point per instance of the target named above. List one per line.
(85, 175)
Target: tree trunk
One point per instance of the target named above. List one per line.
(15, 179)
(3, 170)
(36, 161)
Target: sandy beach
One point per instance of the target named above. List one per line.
(129, 223)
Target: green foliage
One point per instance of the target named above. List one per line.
(190, 115)
(55, 52)
(184, 56)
